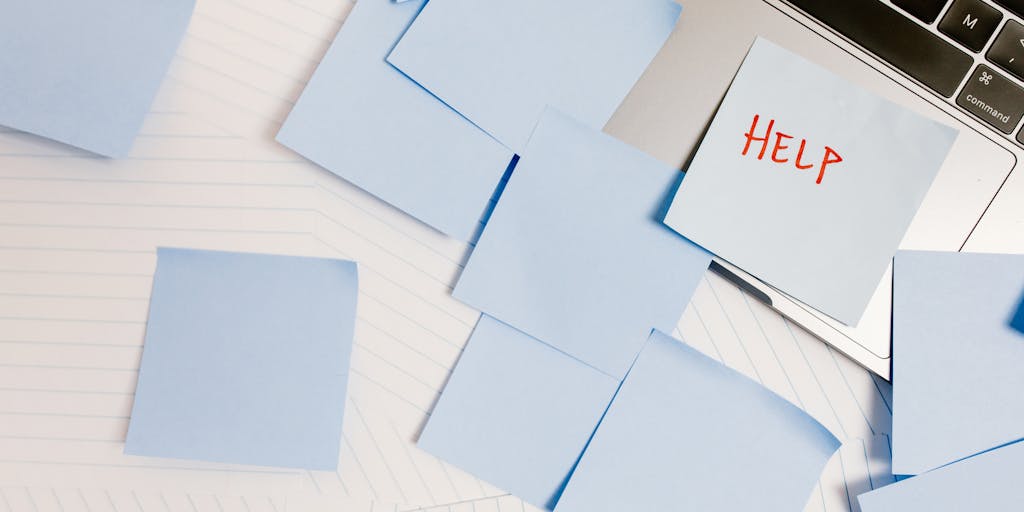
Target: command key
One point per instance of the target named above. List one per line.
(993, 98)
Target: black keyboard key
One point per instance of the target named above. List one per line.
(971, 22)
(924, 10)
(993, 98)
(1007, 51)
(1017, 6)
(894, 38)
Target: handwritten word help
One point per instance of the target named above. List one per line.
(778, 152)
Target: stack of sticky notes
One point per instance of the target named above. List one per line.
(574, 269)
(85, 73)
(423, 104)
(563, 395)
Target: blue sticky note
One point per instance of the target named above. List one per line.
(780, 182)
(85, 73)
(365, 121)
(574, 255)
(987, 482)
(501, 63)
(517, 413)
(687, 433)
(245, 360)
(957, 375)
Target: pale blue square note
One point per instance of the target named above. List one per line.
(365, 121)
(245, 360)
(517, 413)
(574, 254)
(687, 433)
(957, 363)
(986, 482)
(85, 72)
(781, 182)
(502, 63)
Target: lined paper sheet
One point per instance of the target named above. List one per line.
(77, 252)
(75, 282)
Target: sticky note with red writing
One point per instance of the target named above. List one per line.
(807, 181)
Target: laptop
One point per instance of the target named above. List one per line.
(924, 54)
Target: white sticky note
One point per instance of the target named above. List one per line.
(808, 182)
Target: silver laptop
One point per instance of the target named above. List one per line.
(958, 61)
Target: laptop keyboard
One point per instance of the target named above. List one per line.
(969, 51)
(924, 10)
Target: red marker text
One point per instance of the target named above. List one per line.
(779, 147)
